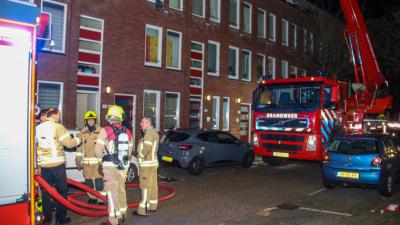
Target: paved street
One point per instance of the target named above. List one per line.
(262, 195)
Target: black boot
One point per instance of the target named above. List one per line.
(66, 220)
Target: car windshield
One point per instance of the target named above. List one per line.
(354, 146)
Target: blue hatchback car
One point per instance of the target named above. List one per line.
(365, 160)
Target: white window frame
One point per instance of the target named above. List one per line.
(303, 73)
(228, 114)
(237, 63)
(285, 63)
(217, 58)
(237, 16)
(157, 122)
(250, 17)
(295, 36)
(65, 25)
(217, 20)
(295, 70)
(265, 22)
(181, 3)
(216, 112)
(248, 51)
(180, 51)
(160, 39)
(271, 15)
(204, 10)
(286, 41)
(273, 67)
(178, 108)
(61, 100)
(264, 71)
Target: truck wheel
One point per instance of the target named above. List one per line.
(386, 185)
(273, 161)
(196, 166)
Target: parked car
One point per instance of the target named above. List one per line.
(197, 149)
(366, 160)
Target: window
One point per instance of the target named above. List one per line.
(304, 40)
(215, 10)
(271, 67)
(58, 13)
(208, 137)
(247, 17)
(84, 102)
(303, 73)
(272, 27)
(195, 82)
(284, 69)
(153, 46)
(198, 8)
(172, 108)
(213, 58)
(175, 4)
(260, 66)
(174, 46)
(293, 72)
(234, 14)
(215, 113)
(311, 42)
(173, 136)
(225, 113)
(233, 70)
(151, 106)
(261, 23)
(293, 35)
(198, 48)
(50, 95)
(225, 138)
(285, 31)
(246, 68)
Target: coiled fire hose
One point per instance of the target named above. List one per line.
(76, 206)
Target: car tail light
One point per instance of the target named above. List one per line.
(376, 161)
(325, 159)
(185, 147)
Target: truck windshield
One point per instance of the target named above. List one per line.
(301, 96)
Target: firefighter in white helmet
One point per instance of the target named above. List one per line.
(114, 150)
(148, 165)
(51, 138)
(86, 157)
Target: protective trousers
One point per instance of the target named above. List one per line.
(56, 177)
(114, 186)
(96, 184)
(149, 187)
(93, 179)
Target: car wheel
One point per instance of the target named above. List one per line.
(328, 184)
(386, 185)
(274, 161)
(248, 160)
(196, 166)
(132, 174)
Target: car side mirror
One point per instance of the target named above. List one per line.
(331, 105)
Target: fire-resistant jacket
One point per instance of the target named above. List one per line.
(85, 152)
(51, 138)
(148, 147)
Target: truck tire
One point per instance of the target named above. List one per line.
(273, 161)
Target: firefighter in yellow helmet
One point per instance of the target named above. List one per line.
(148, 165)
(114, 150)
(86, 157)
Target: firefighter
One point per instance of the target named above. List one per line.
(86, 157)
(51, 138)
(148, 165)
(114, 150)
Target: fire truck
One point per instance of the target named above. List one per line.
(297, 118)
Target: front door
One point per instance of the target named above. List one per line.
(127, 102)
(244, 122)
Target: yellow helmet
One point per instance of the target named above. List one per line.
(115, 111)
(90, 115)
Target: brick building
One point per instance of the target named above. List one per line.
(190, 63)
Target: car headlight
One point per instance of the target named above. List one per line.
(312, 143)
(255, 140)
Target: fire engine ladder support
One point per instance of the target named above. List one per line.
(75, 205)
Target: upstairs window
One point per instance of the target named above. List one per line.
(293, 72)
(58, 14)
(246, 65)
(215, 10)
(174, 46)
(175, 4)
(153, 46)
(247, 17)
(233, 62)
(272, 27)
(198, 8)
(260, 66)
(271, 67)
(293, 36)
(213, 58)
(234, 13)
(285, 32)
(261, 23)
(284, 69)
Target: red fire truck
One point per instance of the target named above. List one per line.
(296, 118)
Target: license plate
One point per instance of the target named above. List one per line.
(167, 159)
(348, 175)
(281, 154)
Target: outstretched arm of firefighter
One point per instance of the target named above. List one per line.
(66, 138)
(100, 145)
(79, 152)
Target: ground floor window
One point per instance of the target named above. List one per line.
(151, 106)
(215, 115)
(50, 95)
(85, 101)
(172, 108)
(225, 113)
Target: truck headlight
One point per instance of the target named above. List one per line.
(255, 140)
(312, 143)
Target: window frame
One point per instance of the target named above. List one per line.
(250, 17)
(181, 4)
(295, 70)
(286, 63)
(204, 10)
(61, 99)
(250, 53)
(311, 42)
(237, 27)
(272, 39)
(286, 41)
(264, 60)
(160, 46)
(178, 108)
(264, 21)
(303, 72)
(305, 40)
(218, 58)
(273, 75)
(65, 6)
(294, 44)
(236, 77)
(158, 93)
(179, 68)
(216, 20)
(216, 112)
(228, 114)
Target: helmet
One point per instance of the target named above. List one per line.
(90, 115)
(115, 111)
(381, 116)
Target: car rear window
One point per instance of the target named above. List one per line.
(174, 136)
(354, 146)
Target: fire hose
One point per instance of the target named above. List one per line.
(77, 206)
